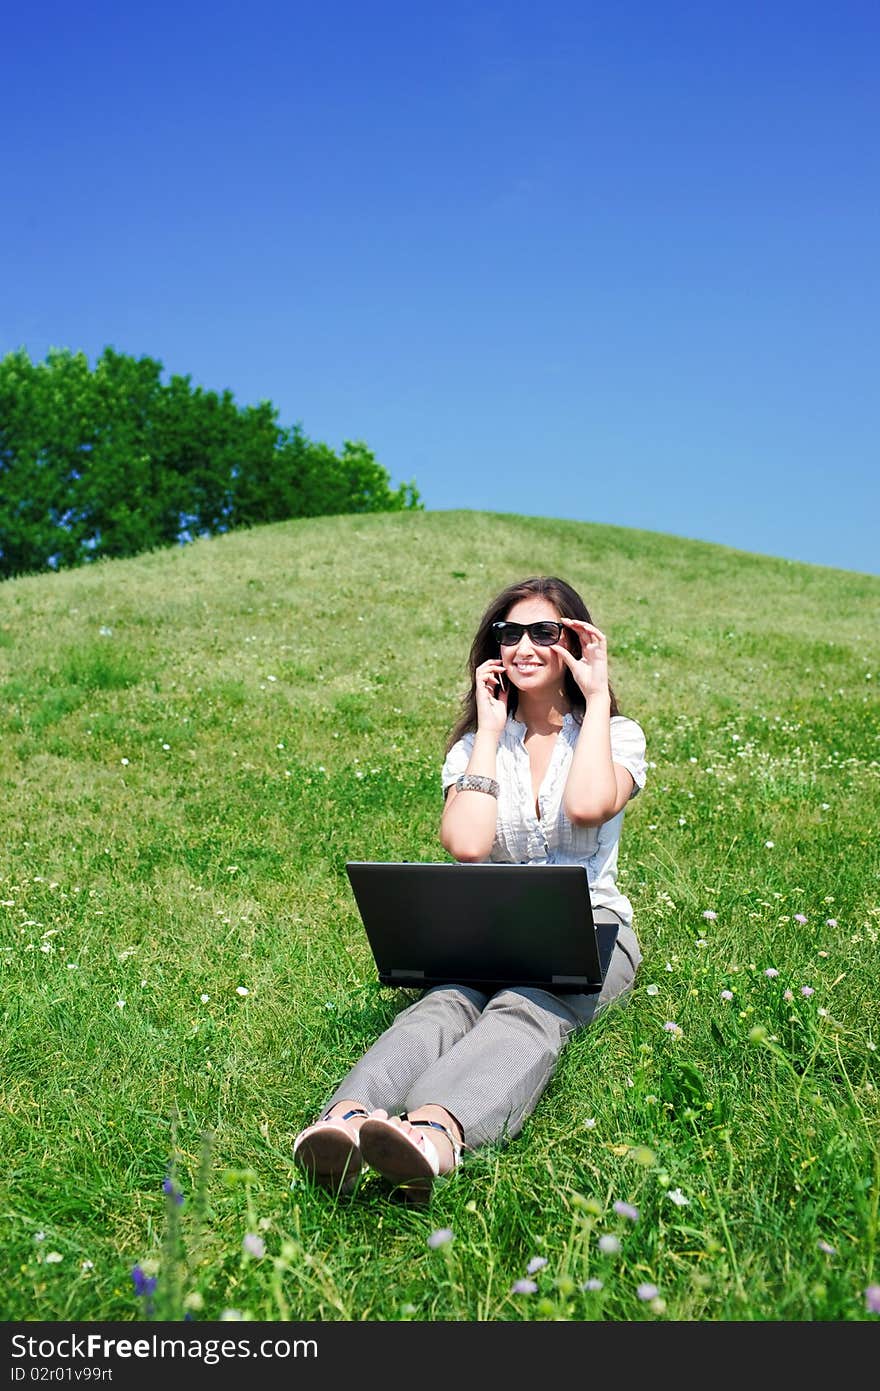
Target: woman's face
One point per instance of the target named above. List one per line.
(527, 665)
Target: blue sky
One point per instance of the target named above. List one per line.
(610, 262)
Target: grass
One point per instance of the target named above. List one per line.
(193, 744)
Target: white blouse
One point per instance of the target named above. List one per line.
(550, 838)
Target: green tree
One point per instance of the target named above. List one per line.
(113, 462)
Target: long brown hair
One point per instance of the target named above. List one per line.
(567, 603)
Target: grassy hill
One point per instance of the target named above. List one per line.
(194, 743)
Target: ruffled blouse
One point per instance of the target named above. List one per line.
(548, 837)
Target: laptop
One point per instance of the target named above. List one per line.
(484, 925)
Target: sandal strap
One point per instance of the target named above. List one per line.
(355, 1111)
(436, 1125)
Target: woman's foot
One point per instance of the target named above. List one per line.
(411, 1151)
(329, 1151)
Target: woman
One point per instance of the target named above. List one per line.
(539, 767)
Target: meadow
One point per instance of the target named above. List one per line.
(196, 740)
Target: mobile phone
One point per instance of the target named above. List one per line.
(500, 676)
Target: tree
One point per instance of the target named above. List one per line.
(113, 462)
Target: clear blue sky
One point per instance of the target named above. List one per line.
(615, 262)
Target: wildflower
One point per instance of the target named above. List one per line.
(788, 995)
(143, 1284)
(590, 1123)
(807, 991)
(676, 1196)
(627, 1210)
(254, 1245)
(872, 1299)
(701, 942)
(536, 1263)
(87, 1265)
(170, 1189)
(120, 1004)
(242, 990)
(524, 1287)
(827, 1248)
(709, 915)
(800, 918)
(670, 1027)
(441, 1237)
(727, 994)
(166, 746)
(647, 1291)
(830, 922)
(609, 1245)
(53, 1257)
(770, 972)
(204, 999)
(39, 1236)
(768, 844)
(590, 1285)
(124, 762)
(652, 989)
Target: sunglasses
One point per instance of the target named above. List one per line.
(543, 634)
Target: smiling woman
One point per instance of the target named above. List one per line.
(538, 769)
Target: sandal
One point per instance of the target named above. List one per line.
(409, 1162)
(329, 1152)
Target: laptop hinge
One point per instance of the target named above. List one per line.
(569, 980)
(408, 975)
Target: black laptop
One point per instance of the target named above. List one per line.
(484, 925)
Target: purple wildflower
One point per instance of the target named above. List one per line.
(536, 1263)
(627, 1210)
(770, 972)
(800, 918)
(830, 922)
(807, 991)
(144, 1285)
(254, 1245)
(171, 1190)
(709, 915)
(872, 1299)
(590, 1285)
(647, 1291)
(827, 1248)
(524, 1287)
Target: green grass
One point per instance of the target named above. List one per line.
(193, 744)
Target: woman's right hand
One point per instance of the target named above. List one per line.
(490, 689)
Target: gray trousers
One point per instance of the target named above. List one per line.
(486, 1059)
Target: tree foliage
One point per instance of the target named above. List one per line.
(112, 461)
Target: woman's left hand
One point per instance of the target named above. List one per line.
(590, 670)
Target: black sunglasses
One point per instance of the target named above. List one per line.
(543, 634)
